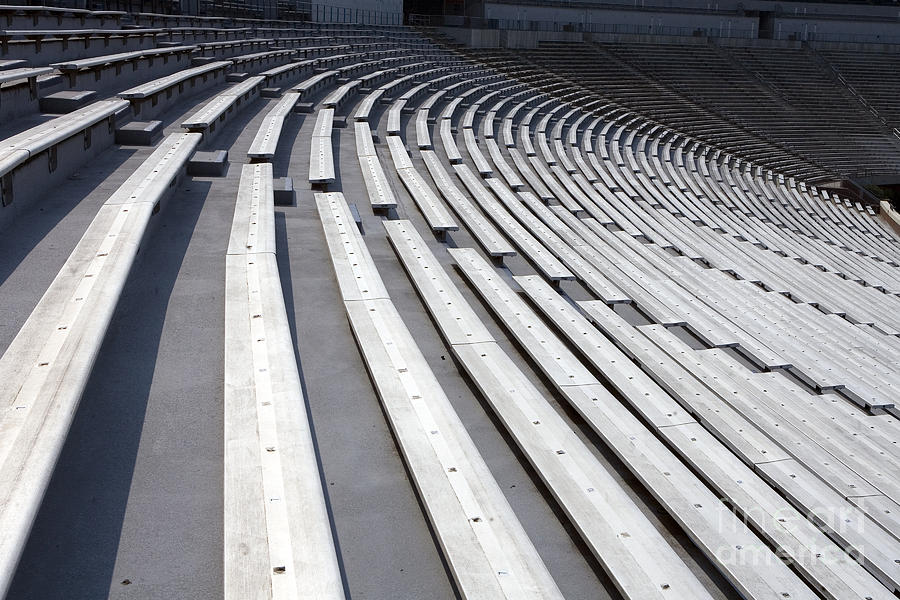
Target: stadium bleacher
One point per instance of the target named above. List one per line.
(588, 320)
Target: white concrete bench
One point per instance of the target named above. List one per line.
(310, 87)
(512, 180)
(436, 214)
(431, 101)
(481, 164)
(47, 366)
(46, 16)
(229, 48)
(321, 158)
(355, 70)
(260, 60)
(486, 549)
(145, 98)
(526, 243)
(803, 489)
(395, 116)
(699, 511)
(411, 96)
(822, 561)
(561, 241)
(45, 155)
(530, 176)
(566, 465)
(449, 142)
(381, 196)
(508, 140)
(341, 95)
(423, 133)
(288, 72)
(26, 74)
(218, 109)
(399, 83)
(115, 64)
(370, 80)
(265, 143)
(480, 227)
(277, 531)
(368, 103)
(53, 45)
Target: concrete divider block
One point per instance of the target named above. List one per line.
(139, 133)
(66, 101)
(208, 164)
(283, 191)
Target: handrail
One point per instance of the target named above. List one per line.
(837, 75)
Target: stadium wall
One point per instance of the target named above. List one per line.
(803, 22)
(370, 12)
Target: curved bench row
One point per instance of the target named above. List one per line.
(822, 575)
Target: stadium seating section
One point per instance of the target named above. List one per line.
(311, 302)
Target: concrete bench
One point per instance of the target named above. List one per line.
(42, 17)
(203, 34)
(19, 90)
(431, 443)
(431, 102)
(45, 155)
(271, 447)
(544, 147)
(317, 51)
(312, 86)
(809, 493)
(423, 134)
(525, 170)
(381, 196)
(478, 225)
(481, 164)
(288, 72)
(337, 60)
(218, 109)
(394, 120)
(103, 72)
(32, 43)
(150, 19)
(261, 60)
(413, 94)
(436, 214)
(266, 141)
(397, 84)
(512, 180)
(622, 430)
(564, 462)
(371, 80)
(341, 95)
(362, 67)
(321, 158)
(231, 48)
(145, 98)
(47, 366)
(527, 244)
(445, 128)
(368, 103)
